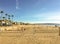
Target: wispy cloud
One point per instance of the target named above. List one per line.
(17, 4)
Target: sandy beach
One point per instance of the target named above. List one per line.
(32, 34)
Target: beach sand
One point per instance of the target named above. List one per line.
(29, 34)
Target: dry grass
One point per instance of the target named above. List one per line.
(29, 34)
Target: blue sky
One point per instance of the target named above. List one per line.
(34, 11)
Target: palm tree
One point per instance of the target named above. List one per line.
(1, 13)
(12, 17)
(9, 17)
(6, 16)
(3, 18)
